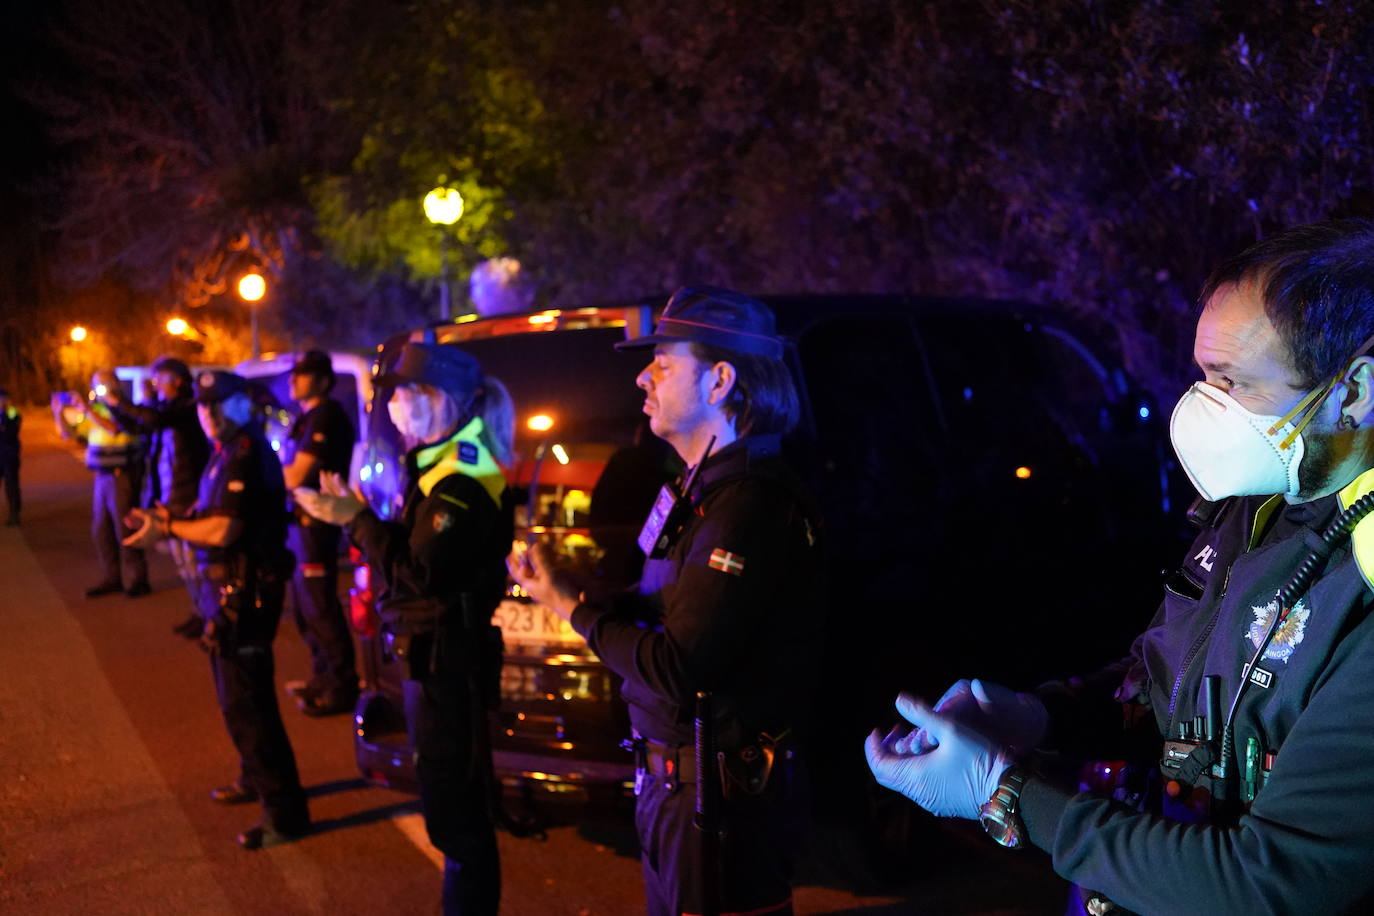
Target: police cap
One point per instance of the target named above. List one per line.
(716, 317)
(447, 368)
(215, 385)
(314, 362)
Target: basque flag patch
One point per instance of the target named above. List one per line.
(726, 562)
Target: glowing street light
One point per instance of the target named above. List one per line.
(444, 207)
(177, 326)
(78, 334)
(540, 423)
(252, 287)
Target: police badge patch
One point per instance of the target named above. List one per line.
(1290, 632)
(443, 521)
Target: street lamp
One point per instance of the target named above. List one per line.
(78, 334)
(444, 207)
(177, 326)
(252, 287)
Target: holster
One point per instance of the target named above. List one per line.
(746, 770)
(220, 636)
(458, 641)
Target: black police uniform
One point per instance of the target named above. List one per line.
(177, 453)
(326, 433)
(734, 608)
(441, 573)
(177, 450)
(10, 421)
(240, 593)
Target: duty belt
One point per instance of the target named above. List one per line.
(672, 765)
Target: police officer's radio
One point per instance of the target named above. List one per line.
(669, 513)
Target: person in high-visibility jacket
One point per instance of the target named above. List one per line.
(441, 570)
(114, 453)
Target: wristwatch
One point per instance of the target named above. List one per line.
(1001, 815)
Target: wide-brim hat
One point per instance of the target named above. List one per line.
(716, 317)
(447, 368)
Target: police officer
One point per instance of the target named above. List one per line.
(1244, 707)
(115, 456)
(731, 607)
(10, 421)
(238, 529)
(321, 439)
(177, 454)
(441, 571)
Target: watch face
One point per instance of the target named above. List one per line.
(1004, 832)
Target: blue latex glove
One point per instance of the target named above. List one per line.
(1018, 720)
(952, 779)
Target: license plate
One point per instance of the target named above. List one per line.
(533, 624)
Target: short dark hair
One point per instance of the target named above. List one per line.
(174, 366)
(1317, 284)
(764, 400)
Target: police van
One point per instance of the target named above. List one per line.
(995, 489)
(352, 389)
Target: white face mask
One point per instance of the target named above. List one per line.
(1229, 451)
(412, 413)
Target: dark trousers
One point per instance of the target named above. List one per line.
(114, 494)
(318, 612)
(9, 470)
(243, 674)
(763, 837)
(441, 716)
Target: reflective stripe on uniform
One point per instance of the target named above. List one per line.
(1362, 540)
(439, 461)
(1261, 519)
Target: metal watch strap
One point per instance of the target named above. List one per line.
(1001, 815)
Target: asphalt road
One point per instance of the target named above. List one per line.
(110, 740)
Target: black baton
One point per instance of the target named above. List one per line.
(708, 806)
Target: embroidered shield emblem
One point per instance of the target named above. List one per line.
(1290, 632)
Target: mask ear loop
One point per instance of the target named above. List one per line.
(1309, 404)
(1303, 412)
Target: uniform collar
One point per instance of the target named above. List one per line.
(461, 453)
(735, 459)
(1362, 539)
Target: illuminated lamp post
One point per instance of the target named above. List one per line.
(444, 207)
(77, 334)
(252, 287)
(177, 326)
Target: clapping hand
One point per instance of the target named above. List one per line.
(333, 503)
(533, 569)
(150, 525)
(953, 776)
